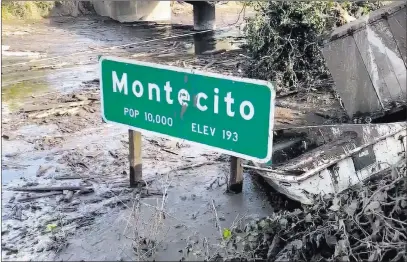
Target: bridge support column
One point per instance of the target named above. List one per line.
(132, 11)
(204, 16)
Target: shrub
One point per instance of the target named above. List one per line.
(285, 38)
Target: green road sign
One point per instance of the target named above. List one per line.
(232, 115)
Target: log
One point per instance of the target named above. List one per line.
(67, 177)
(85, 190)
(44, 189)
(38, 196)
(213, 52)
(33, 108)
(209, 64)
(181, 168)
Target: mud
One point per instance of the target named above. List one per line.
(46, 145)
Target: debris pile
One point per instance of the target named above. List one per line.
(366, 223)
(284, 39)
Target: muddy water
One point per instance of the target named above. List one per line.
(34, 152)
(66, 50)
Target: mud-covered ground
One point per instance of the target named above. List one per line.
(53, 136)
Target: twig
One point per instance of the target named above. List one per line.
(169, 151)
(209, 64)
(377, 191)
(217, 219)
(191, 166)
(389, 218)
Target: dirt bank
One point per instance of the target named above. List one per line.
(36, 10)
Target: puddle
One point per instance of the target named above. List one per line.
(44, 81)
(12, 170)
(35, 130)
(18, 53)
(12, 148)
(190, 215)
(209, 42)
(14, 94)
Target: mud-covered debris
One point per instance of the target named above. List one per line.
(223, 158)
(48, 188)
(67, 177)
(145, 246)
(37, 196)
(42, 170)
(91, 82)
(365, 223)
(68, 195)
(118, 201)
(30, 184)
(10, 249)
(80, 97)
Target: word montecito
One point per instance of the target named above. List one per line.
(246, 108)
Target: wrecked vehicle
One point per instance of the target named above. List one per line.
(367, 61)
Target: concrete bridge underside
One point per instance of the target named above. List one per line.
(146, 10)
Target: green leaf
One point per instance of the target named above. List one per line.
(226, 233)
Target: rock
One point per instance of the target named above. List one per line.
(49, 158)
(48, 247)
(106, 194)
(183, 198)
(11, 155)
(42, 170)
(195, 215)
(10, 249)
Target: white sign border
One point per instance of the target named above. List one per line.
(196, 72)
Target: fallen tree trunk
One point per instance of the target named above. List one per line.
(45, 189)
(67, 177)
(33, 108)
(25, 199)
